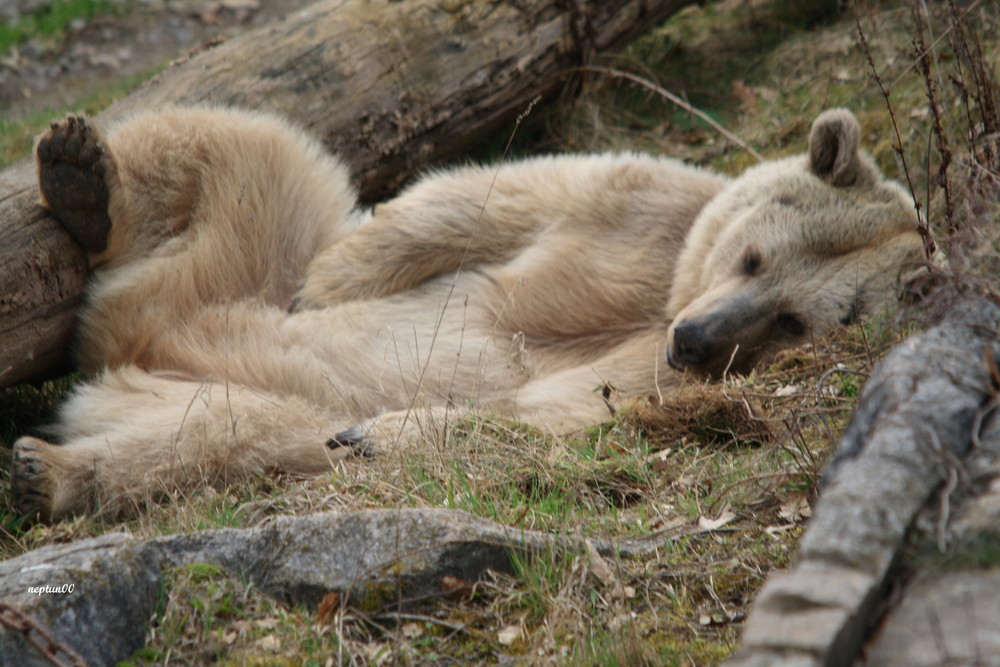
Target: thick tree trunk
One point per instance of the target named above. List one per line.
(391, 86)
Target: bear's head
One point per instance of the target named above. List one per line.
(787, 250)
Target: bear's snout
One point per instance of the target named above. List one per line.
(691, 346)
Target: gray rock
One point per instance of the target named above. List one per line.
(388, 555)
(101, 593)
(300, 559)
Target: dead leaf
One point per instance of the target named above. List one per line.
(376, 652)
(327, 608)
(412, 630)
(599, 566)
(796, 509)
(662, 525)
(787, 390)
(685, 482)
(241, 626)
(658, 460)
(601, 569)
(268, 643)
(509, 634)
(769, 95)
(777, 531)
(725, 516)
(269, 623)
(458, 589)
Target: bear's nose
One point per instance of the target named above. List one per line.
(691, 345)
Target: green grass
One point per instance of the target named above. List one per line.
(16, 136)
(53, 19)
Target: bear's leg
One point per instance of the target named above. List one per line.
(207, 206)
(244, 196)
(131, 438)
(447, 221)
(560, 402)
(72, 167)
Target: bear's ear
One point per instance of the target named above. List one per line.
(833, 147)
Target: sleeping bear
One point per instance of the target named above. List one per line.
(245, 314)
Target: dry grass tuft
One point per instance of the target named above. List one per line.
(698, 413)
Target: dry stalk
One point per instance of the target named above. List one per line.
(663, 92)
(925, 234)
(922, 55)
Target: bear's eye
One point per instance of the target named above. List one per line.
(752, 262)
(791, 324)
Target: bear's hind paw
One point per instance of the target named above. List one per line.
(29, 484)
(72, 165)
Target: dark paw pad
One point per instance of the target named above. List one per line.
(72, 166)
(355, 439)
(28, 484)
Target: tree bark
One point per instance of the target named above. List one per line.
(390, 86)
(917, 424)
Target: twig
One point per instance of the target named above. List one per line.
(925, 233)
(956, 471)
(659, 90)
(402, 616)
(943, 35)
(945, 509)
(936, 131)
(825, 376)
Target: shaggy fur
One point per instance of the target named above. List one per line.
(518, 290)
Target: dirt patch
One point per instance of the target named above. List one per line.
(132, 42)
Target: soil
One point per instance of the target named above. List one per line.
(133, 43)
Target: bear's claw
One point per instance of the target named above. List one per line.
(72, 166)
(355, 439)
(28, 484)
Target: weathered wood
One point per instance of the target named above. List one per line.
(916, 424)
(42, 276)
(391, 86)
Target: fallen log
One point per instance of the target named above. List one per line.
(926, 409)
(391, 86)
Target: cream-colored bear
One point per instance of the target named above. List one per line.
(517, 290)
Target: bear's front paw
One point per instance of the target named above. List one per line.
(72, 166)
(352, 442)
(29, 484)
